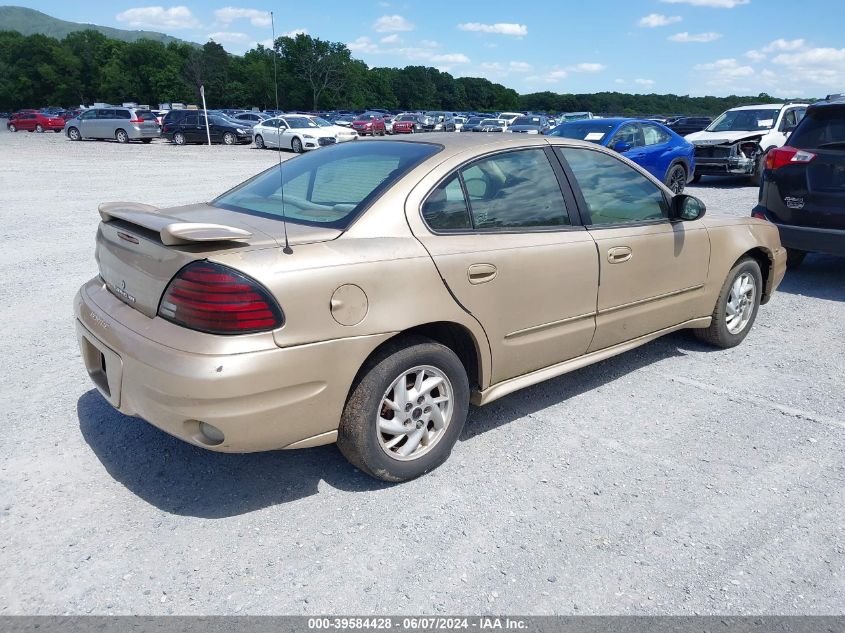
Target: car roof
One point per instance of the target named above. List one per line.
(757, 106)
(457, 143)
(832, 100)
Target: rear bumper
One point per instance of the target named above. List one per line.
(812, 239)
(261, 399)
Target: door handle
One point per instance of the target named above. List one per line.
(619, 254)
(481, 273)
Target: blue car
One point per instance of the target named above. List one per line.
(656, 148)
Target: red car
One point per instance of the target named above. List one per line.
(35, 122)
(369, 123)
(407, 124)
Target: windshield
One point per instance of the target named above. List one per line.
(322, 122)
(327, 188)
(527, 120)
(584, 130)
(491, 122)
(745, 120)
(407, 117)
(301, 123)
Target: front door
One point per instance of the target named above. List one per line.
(500, 233)
(652, 270)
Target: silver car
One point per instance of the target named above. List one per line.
(121, 124)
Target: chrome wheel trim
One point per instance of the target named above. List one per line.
(415, 412)
(741, 300)
(74, 135)
(229, 138)
(259, 141)
(122, 137)
(296, 146)
(179, 138)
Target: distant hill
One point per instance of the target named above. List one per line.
(30, 22)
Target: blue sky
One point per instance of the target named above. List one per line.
(718, 47)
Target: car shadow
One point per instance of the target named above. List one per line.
(723, 182)
(183, 479)
(819, 276)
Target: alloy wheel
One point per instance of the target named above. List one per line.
(415, 412)
(740, 304)
(677, 179)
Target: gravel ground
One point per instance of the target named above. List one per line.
(671, 480)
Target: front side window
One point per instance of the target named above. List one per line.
(327, 188)
(614, 192)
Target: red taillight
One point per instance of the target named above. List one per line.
(786, 155)
(213, 298)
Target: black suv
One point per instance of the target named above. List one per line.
(689, 124)
(803, 184)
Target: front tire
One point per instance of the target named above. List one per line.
(259, 142)
(296, 146)
(676, 178)
(405, 411)
(737, 306)
(229, 138)
(74, 135)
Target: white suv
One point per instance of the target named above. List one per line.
(737, 141)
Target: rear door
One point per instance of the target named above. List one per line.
(500, 232)
(27, 122)
(191, 127)
(657, 152)
(652, 270)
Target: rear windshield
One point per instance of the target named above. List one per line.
(329, 187)
(820, 127)
(145, 115)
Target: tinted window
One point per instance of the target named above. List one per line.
(191, 120)
(122, 114)
(145, 115)
(514, 190)
(614, 192)
(653, 135)
(820, 127)
(105, 114)
(446, 208)
(329, 187)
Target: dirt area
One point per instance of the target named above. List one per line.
(673, 479)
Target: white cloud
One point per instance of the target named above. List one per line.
(257, 18)
(501, 28)
(717, 4)
(694, 37)
(644, 82)
(784, 45)
(430, 44)
(295, 32)
(390, 39)
(363, 45)
(391, 24)
(425, 54)
(521, 67)
(723, 72)
(823, 67)
(159, 18)
(228, 37)
(653, 20)
(586, 68)
(552, 77)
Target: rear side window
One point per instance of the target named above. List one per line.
(105, 114)
(123, 114)
(653, 135)
(821, 127)
(614, 192)
(513, 190)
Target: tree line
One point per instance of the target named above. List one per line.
(87, 67)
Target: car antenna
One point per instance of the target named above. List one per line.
(287, 250)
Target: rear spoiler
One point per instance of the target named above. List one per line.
(172, 231)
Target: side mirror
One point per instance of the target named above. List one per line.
(687, 208)
(621, 147)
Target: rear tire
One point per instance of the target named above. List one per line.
(392, 435)
(73, 134)
(179, 138)
(794, 257)
(121, 136)
(259, 142)
(737, 306)
(676, 178)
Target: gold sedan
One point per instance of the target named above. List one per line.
(367, 293)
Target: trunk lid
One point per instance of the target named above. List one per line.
(140, 248)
